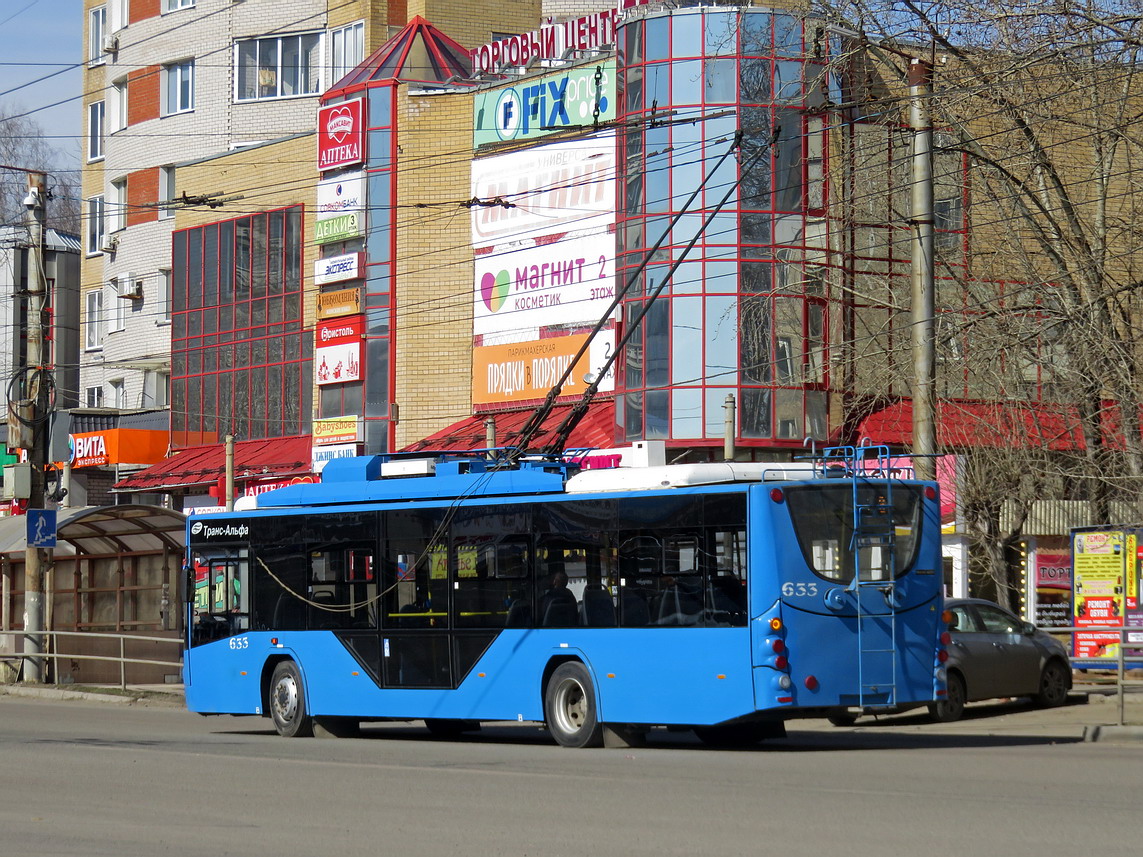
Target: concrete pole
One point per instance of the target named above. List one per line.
(923, 298)
(490, 435)
(34, 559)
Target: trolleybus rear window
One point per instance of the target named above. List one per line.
(880, 540)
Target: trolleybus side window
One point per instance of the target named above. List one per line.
(342, 588)
(491, 575)
(281, 582)
(414, 570)
(222, 595)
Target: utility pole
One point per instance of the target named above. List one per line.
(920, 79)
(35, 558)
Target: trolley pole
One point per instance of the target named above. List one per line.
(34, 557)
(920, 79)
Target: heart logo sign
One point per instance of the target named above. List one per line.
(339, 124)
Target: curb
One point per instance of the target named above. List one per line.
(1125, 734)
(54, 693)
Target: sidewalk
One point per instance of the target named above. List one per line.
(160, 694)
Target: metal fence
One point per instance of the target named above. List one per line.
(1109, 672)
(53, 654)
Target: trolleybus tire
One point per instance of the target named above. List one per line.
(288, 702)
(1053, 685)
(842, 719)
(569, 707)
(952, 706)
(336, 727)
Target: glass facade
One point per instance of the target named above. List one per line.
(745, 310)
(240, 356)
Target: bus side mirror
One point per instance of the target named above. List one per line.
(186, 585)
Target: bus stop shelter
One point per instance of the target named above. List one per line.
(114, 570)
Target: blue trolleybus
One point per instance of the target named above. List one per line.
(726, 598)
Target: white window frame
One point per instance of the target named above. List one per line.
(351, 37)
(264, 75)
(166, 297)
(93, 320)
(117, 289)
(156, 388)
(117, 15)
(93, 396)
(175, 5)
(96, 224)
(118, 98)
(117, 387)
(96, 113)
(166, 192)
(117, 206)
(176, 77)
(96, 30)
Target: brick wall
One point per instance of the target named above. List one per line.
(141, 10)
(143, 94)
(142, 194)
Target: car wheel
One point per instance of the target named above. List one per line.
(569, 707)
(288, 702)
(952, 706)
(1053, 685)
(842, 719)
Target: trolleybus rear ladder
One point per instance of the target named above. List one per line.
(874, 533)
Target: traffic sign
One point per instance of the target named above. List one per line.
(41, 532)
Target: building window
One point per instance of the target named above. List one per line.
(282, 67)
(118, 99)
(95, 225)
(156, 388)
(166, 192)
(178, 87)
(93, 397)
(93, 339)
(117, 15)
(347, 46)
(96, 28)
(118, 393)
(117, 206)
(95, 131)
(175, 5)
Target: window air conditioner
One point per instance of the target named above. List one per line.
(110, 44)
(110, 244)
(132, 289)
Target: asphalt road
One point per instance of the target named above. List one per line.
(82, 779)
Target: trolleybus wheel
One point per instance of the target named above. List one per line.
(288, 702)
(842, 719)
(1053, 685)
(569, 707)
(952, 706)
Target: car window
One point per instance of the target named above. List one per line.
(962, 622)
(997, 621)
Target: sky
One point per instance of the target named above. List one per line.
(38, 38)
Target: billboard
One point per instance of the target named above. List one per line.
(336, 269)
(544, 105)
(520, 286)
(337, 352)
(525, 371)
(548, 190)
(1105, 592)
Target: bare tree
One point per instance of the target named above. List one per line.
(23, 144)
(1038, 111)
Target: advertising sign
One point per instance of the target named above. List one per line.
(544, 105)
(341, 135)
(337, 352)
(1105, 589)
(1053, 589)
(532, 286)
(334, 430)
(588, 32)
(334, 269)
(339, 303)
(117, 446)
(341, 195)
(339, 227)
(323, 455)
(552, 189)
(522, 371)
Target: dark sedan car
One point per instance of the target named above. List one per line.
(995, 654)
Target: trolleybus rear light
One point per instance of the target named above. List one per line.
(946, 617)
(784, 682)
(946, 638)
(775, 624)
(930, 492)
(778, 645)
(781, 662)
(811, 682)
(785, 699)
(776, 495)
(942, 656)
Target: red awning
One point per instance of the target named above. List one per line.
(200, 466)
(992, 424)
(596, 430)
